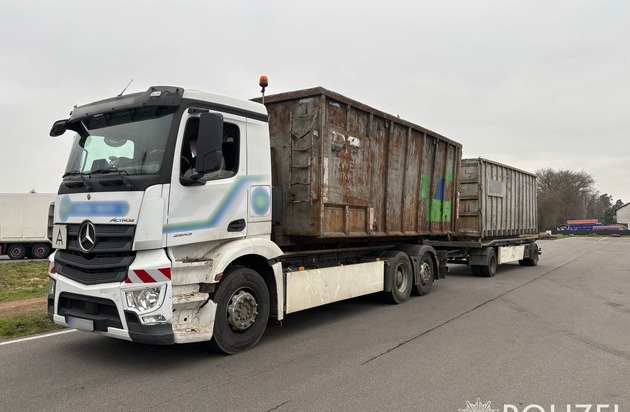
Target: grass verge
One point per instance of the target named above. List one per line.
(23, 287)
(21, 280)
(26, 324)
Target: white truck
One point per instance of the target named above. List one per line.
(185, 216)
(25, 222)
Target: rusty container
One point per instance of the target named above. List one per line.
(350, 171)
(496, 200)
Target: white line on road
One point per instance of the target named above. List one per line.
(604, 238)
(37, 337)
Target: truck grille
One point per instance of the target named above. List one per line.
(108, 261)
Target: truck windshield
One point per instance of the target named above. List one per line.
(130, 141)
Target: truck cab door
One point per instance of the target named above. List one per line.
(210, 206)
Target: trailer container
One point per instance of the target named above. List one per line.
(349, 170)
(497, 218)
(496, 200)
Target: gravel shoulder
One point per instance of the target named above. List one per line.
(22, 307)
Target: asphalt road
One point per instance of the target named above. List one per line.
(554, 334)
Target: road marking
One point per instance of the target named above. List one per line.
(37, 337)
(604, 238)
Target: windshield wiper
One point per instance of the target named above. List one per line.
(114, 169)
(82, 176)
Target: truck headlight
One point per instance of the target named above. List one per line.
(143, 299)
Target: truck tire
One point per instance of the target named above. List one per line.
(490, 269)
(426, 273)
(475, 270)
(40, 251)
(16, 251)
(401, 278)
(242, 311)
(533, 259)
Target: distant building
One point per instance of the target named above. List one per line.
(623, 214)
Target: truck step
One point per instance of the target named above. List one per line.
(189, 335)
(189, 300)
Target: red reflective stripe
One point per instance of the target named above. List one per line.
(166, 272)
(127, 280)
(144, 276)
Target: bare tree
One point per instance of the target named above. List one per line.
(562, 195)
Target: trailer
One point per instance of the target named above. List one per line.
(25, 224)
(185, 216)
(497, 218)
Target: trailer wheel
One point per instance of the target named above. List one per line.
(16, 251)
(490, 269)
(401, 278)
(533, 259)
(242, 311)
(426, 274)
(40, 251)
(475, 270)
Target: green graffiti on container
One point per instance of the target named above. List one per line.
(434, 209)
(426, 186)
(437, 210)
(446, 210)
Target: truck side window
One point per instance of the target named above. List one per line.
(230, 147)
(230, 151)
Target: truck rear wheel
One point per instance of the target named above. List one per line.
(426, 275)
(401, 278)
(242, 311)
(490, 269)
(40, 251)
(533, 259)
(16, 251)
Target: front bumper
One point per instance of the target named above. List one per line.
(103, 308)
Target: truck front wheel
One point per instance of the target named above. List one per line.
(242, 311)
(16, 251)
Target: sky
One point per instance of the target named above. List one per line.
(529, 83)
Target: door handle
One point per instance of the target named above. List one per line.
(236, 225)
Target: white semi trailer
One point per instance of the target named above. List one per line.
(25, 221)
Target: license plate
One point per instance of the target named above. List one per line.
(81, 324)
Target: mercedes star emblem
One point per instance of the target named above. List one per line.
(87, 236)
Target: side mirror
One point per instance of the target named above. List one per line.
(59, 128)
(209, 141)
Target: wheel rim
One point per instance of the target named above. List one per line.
(401, 279)
(425, 273)
(242, 310)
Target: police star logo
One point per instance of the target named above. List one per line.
(478, 407)
(87, 236)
